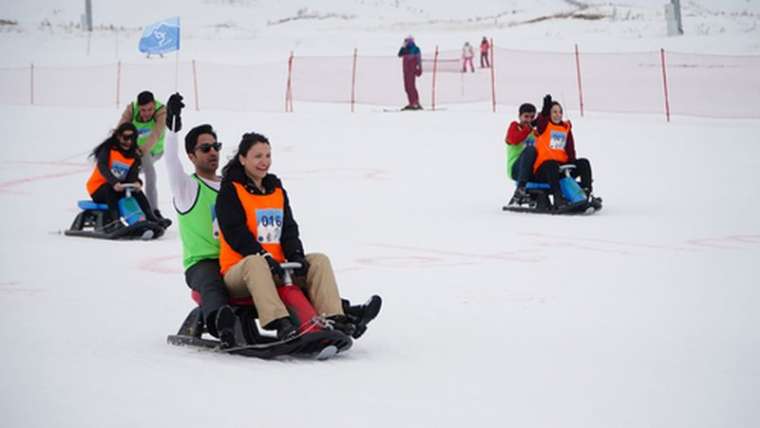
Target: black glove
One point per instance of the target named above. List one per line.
(300, 258)
(547, 106)
(173, 111)
(274, 266)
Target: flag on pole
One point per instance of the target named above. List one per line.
(161, 37)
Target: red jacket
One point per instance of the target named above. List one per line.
(516, 133)
(484, 46)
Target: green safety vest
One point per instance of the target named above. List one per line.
(514, 152)
(198, 227)
(145, 128)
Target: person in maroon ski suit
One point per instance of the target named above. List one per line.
(484, 47)
(412, 66)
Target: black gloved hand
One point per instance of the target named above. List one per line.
(173, 112)
(300, 258)
(274, 266)
(547, 106)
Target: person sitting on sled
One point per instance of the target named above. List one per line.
(258, 232)
(118, 164)
(521, 151)
(555, 146)
(194, 197)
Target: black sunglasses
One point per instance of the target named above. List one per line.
(132, 136)
(205, 148)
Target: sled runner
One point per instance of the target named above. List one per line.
(316, 338)
(95, 221)
(540, 199)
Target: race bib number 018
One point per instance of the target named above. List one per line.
(558, 140)
(269, 225)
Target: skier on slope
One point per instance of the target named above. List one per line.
(412, 68)
(484, 48)
(467, 55)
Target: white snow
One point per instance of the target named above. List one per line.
(643, 315)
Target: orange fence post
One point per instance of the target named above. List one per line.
(195, 87)
(289, 89)
(353, 83)
(31, 83)
(578, 73)
(118, 83)
(435, 72)
(493, 79)
(665, 84)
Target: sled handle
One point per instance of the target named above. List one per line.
(128, 188)
(289, 267)
(566, 169)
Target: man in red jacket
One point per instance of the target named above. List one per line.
(412, 66)
(521, 151)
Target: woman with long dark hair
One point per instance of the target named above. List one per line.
(555, 146)
(258, 233)
(118, 164)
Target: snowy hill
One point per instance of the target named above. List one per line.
(643, 315)
(248, 31)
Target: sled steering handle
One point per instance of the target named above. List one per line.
(289, 267)
(128, 188)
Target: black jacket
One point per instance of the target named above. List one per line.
(232, 218)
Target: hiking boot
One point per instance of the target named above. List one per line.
(285, 328)
(560, 203)
(342, 324)
(520, 197)
(361, 315)
(224, 322)
(161, 220)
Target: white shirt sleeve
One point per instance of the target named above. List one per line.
(184, 187)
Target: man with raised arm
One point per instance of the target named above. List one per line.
(194, 197)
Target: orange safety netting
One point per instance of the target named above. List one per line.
(720, 86)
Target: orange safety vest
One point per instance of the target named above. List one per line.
(119, 166)
(551, 144)
(264, 216)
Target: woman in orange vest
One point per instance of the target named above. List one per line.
(258, 233)
(118, 163)
(555, 146)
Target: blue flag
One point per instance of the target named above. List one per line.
(161, 37)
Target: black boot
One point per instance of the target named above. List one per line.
(559, 202)
(285, 328)
(161, 220)
(520, 197)
(224, 323)
(361, 315)
(343, 324)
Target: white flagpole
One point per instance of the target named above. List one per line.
(176, 65)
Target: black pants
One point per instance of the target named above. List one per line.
(106, 194)
(522, 169)
(549, 173)
(205, 278)
(484, 60)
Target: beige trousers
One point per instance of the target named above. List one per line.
(251, 277)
